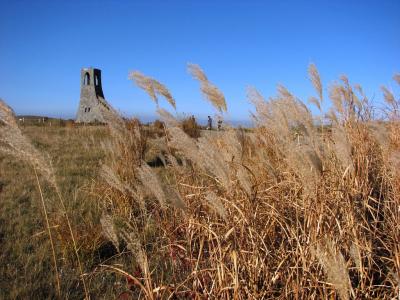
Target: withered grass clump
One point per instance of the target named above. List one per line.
(291, 209)
(287, 210)
(190, 127)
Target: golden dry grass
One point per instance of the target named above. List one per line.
(287, 210)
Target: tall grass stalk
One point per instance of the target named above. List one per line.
(57, 276)
(75, 246)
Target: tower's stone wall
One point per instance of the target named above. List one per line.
(92, 102)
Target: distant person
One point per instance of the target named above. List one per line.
(219, 127)
(209, 123)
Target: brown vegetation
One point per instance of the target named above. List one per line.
(287, 210)
(190, 127)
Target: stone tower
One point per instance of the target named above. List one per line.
(92, 102)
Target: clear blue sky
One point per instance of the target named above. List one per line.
(44, 44)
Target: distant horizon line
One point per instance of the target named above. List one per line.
(143, 118)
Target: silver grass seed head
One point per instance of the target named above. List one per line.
(315, 80)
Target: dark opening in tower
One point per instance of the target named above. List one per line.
(86, 79)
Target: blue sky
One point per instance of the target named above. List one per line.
(44, 44)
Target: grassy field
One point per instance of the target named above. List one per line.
(290, 209)
(76, 155)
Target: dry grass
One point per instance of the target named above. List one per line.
(287, 210)
(209, 90)
(190, 127)
(24, 249)
(152, 87)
